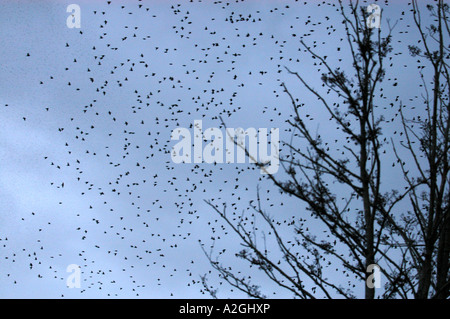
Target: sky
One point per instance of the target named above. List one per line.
(86, 116)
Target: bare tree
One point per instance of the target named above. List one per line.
(427, 236)
(341, 183)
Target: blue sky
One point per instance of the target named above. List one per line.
(108, 132)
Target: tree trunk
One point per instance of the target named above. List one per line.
(442, 279)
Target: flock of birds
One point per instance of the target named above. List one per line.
(140, 78)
